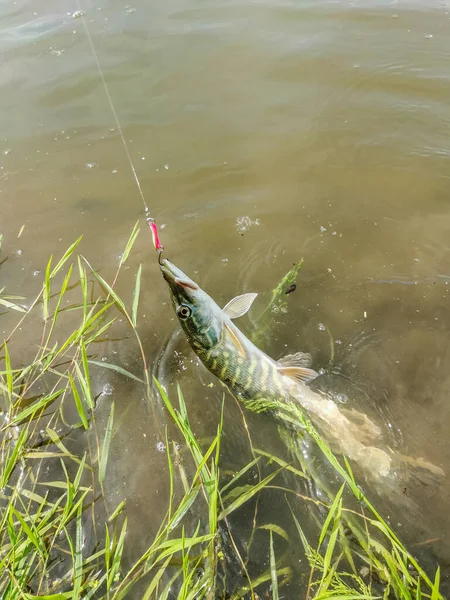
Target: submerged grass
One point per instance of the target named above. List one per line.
(53, 471)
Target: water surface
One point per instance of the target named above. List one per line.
(324, 124)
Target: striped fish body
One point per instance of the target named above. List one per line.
(254, 377)
(226, 352)
(258, 380)
(251, 375)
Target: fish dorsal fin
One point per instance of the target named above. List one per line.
(239, 306)
(299, 359)
(298, 374)
(235, 339)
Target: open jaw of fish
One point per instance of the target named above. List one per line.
(256, 379)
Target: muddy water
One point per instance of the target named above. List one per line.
(261, 132)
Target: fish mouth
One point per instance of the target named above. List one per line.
(175, 277)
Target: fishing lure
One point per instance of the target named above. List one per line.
(154, 229)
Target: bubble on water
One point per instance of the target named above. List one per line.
(225, 261)
(243, 224)
(36, 273)
(108, 389)
(321, 327)
(114, 171)
(429, 36)
(166, 167)
(7, 151)
(78, 14)
(130, 10)
(91, 165)
(142, 157)
(338, 342)
(55, 52)
(341, 398)
(322, 228)
(19, 252)
(163, 226)
(161, 447)
(417, 260)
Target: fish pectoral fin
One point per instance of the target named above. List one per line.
(237, 307)
(299, 359)
(236, 341)
(298, 374)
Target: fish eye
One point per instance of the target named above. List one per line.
(184, 312)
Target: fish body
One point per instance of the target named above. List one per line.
(261, 382)
(247, 371)
(250, 375)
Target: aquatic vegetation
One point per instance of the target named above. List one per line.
(54, 460)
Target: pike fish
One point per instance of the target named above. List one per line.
(225, 351)
(259, 381)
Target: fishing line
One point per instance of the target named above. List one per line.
(150, 220)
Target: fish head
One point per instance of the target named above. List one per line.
(200, 317)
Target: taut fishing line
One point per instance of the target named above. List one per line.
(150, 220)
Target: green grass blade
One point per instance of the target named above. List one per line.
(60, 596)
(67, 254)
(47, 289)
(9, 373)
(130, 243)
(11, 461)
(282, 463)
(34, 539)
(156, 579)
(273, 571)
(331, 514)
(246, 496)
(78, 403)
(275, 529)
(12, 305)
(84, 287)
(238, 475)
(57, 441)
(435, 594)
(117, 369)
(78, 562)
(29, 412)
(117, 511)
(174, 546)
(331, 543)
(60, 297)
(105, 448)
(107, 288)
(137, 291)
(184, 506)
(87, 378)
(418, 591)
(117, 556)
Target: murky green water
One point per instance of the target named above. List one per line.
(261, 132)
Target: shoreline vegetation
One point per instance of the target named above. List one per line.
(50, 494)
